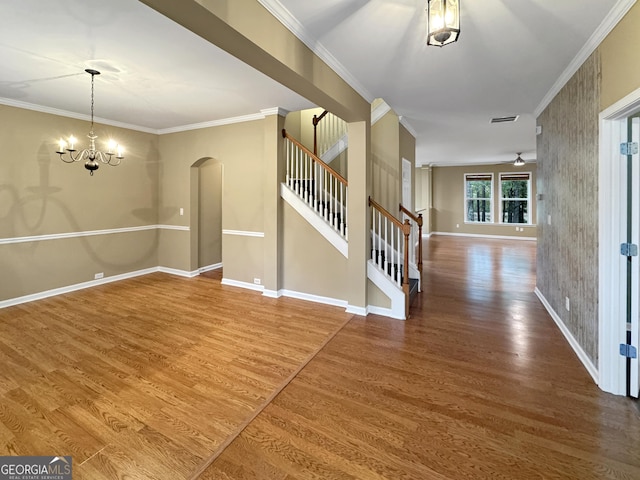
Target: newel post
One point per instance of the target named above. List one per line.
(420, 248)
(406, 230)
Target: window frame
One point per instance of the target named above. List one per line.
(502, 199)
(490, 198)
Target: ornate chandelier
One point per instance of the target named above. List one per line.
(113, 156)
(443, 22)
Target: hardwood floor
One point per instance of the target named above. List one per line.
(147, 378)
(156, 377)
(478, 384)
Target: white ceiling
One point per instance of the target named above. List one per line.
(158, 76)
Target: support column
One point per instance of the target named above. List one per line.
(274, 172)
(358, 218)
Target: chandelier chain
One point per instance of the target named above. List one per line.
(92, 101)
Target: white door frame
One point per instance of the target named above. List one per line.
(612, 296)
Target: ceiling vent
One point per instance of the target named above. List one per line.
(512, 118)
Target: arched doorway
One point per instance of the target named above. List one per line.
(206, 214)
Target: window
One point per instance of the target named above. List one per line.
(515, 193)
(478, 195)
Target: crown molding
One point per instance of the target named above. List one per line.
(616, 14)
(78, 116)
(213, 123)
(182, 128)
(284, 16)
(405, 123)
(274, 111)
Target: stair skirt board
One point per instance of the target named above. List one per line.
(315, 220)
(389, 288)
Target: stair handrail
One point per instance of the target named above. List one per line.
(317, 184)
(405, 228)
(419, 221)
(329, 131)
(316, 119)
(317, 159)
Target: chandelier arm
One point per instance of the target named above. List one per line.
(112, 161)
(62, 157)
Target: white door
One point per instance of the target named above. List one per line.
(633, 327)
(406, 185)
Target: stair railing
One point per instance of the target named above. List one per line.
(390, 246)
(328, 129)
(416, 231)
(315, 182)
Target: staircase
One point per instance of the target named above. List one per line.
(320, 195)
(390, 266)
(317, 192)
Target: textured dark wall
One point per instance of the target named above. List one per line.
(567, 254)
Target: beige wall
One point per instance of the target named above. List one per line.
(239, 148)
(41, 195)
(311, 264)
(386, 162)
(448, 210)
(619, 58)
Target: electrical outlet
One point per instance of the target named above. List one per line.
(98, 276)
(181, 211)
(549, 219)
(257, 281)
(567, 304)
(457, 225)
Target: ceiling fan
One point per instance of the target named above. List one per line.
(518, 162)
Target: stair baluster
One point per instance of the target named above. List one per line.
(317, 184)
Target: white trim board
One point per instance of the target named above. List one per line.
(186, 274)
(243, 233)
(208, 268)
(72, 288)
(611, 265)
(246, 285)
(90, 233)
(582, 355)
(389, 288)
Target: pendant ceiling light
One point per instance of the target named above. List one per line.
(443, 22)
(519, 162)
(113, 156)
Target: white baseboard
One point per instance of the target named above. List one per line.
(72, 288)
(385, 312)
(208, 268)
(313, 298)
(245, 285)
(183, 273)
(584, 358)
(478, 235)
(360, 311)
(180, 273)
